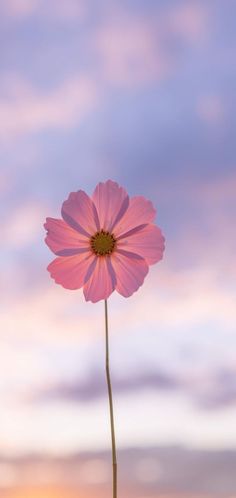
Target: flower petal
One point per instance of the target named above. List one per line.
(111, 202)
(140, 212)
(80, 213)
(102, 281)
(63, 240)
(71, 271)
(147, 242)
(130, 270)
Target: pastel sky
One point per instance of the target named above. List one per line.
(143, 93)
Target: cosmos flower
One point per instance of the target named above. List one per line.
(104, 243)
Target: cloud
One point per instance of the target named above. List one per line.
(219, 390)
(208, 390)
(53, 11)
(188, 20)
(94, 387)
(19, 8)
(21, 228)
(135, 50)
(195, 297)
(128, 51)
(205, 241)
(47, 312)
(26, 110)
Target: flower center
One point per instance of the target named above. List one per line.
(103, 243)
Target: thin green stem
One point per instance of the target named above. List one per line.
(113, 440)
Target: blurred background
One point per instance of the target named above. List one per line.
(141, 92)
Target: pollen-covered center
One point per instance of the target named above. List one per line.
(103, 243)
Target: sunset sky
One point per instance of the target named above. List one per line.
(141, 92)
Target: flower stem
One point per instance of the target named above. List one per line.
(114, 461)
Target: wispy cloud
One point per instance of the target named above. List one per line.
(28, 110)
(64, 10)
(219, 390)
(212, 389)
(135, 50)
(19, 8)
(95, 387)
(129, 51)
(21, 228)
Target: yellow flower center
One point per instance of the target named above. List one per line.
(103, 243)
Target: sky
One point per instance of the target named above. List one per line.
(143, 93)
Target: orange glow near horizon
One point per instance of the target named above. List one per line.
(45, 492)
(33, 492)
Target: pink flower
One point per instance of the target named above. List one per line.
(104, 242)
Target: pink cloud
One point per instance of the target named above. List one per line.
(53, 10)
(28, 110)
(189, 20)
(129, 51)
(194, 296)
(207, 240)
(22, 225)
(132, 50)
(19, 8)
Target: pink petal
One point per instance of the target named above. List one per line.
(130, 270)
(63, 240)
(102, 281)
(71, 271)
(147, 242)
(140, 212)
(80, 213)
(111, 202)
